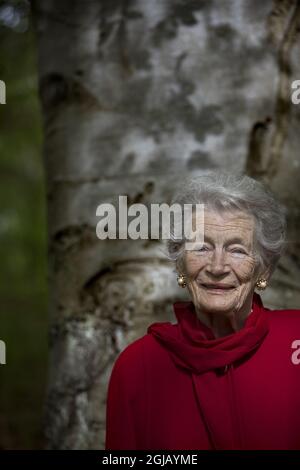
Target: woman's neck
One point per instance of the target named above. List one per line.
(227, 323)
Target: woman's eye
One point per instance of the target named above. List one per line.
(203, 248)
(239, 251)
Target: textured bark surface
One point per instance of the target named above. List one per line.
(134, 95)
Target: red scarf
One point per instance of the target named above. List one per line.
(192, 344)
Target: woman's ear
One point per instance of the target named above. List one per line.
(180, 266)
(266, 274)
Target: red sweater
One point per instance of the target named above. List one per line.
(178, 387)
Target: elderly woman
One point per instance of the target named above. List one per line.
(227, 374)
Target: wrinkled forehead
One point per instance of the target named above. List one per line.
(228, 223)
(228, 219)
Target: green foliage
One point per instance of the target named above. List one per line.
(23, 279)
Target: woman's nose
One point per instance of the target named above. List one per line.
(218, 264)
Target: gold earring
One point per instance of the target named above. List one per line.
(261, 283)
(181, 280)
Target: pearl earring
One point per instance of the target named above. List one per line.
(261, 283)
(181, 280)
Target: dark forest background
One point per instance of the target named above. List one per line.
(23, 279)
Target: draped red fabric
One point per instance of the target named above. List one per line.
(193, 346)
(178, 387)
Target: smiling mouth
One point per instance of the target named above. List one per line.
(218, 287)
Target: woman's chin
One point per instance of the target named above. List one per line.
(216, 303)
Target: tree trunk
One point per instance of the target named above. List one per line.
(134, 94)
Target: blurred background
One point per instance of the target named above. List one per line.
(23, 282)
(122, 97)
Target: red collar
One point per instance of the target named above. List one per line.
(192, 345)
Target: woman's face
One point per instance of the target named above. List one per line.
(221, 274)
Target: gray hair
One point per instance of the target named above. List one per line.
(222, 191)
